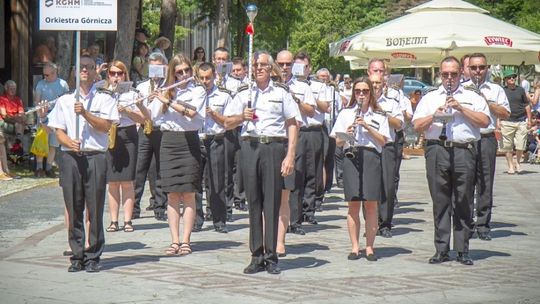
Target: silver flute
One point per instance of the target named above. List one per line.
(172, 86)
(43, 105)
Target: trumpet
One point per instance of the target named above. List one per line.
(443, 136)
(350, 154)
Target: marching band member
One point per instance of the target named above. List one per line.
(122, 154)
(268, 144)
(149, 145)
(180, 153)
(84, 165)
(362, 170)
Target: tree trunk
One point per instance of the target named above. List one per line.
(167, 22)
(65, 55)
(223, 23)
(125, 35)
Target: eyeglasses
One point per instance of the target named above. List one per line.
(116, 73)
(46, 75)
(378, 71)
(285, 64)
(181, 72)
(449, 74)
(477, 67)
(361, 91)
(511, 77)
(200, 52)
(261, 65)
(87, 67)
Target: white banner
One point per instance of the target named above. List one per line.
(78, 15)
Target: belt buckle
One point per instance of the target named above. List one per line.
(447, 144)
(264, 139)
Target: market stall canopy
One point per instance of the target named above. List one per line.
(438, 28)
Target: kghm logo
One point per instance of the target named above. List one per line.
(49, 3)
(67, 3)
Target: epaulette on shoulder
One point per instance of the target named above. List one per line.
(303, 80)
(225, 90)
(282, 85)
(105, 91)
(380, 112)
(472, 88)
(242, 87)
(430, 90)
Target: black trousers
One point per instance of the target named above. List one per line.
(233, 176)
(485, 179)
(313, 142)
(148, 166)
(199, 210)
(261, 168)
(214, 177)
(386, 205)
(450, 175)
(339, 155)
(329, 161)
(84, 183)
(400, 141)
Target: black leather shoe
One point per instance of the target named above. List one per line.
(221, 229)
(282, 254)
(92, 266)
(371, 257)
(76, 266)
(484, 236)
(208, 216)
(135, 215)
(160, 216)
(311, 219)
(439, 257)
(296, 230)
(230, 217)
(150, 208)
(340, 184)
(254, 268)
(385, 233)
(319, 208)
(353, 256)
(463, 258)
(272, 268)
(196, 229)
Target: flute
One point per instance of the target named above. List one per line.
(172, 86)
(42, 106)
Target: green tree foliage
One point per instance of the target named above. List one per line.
(523, 13)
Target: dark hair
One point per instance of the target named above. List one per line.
(372, 60)
(239, 60)
(477, 55)
(462, 60)
(199, 48)
(205, 66)
(452, 58)
(221, 49)
(417, 91)
(302, 55)
(372, 102)
(140, 46)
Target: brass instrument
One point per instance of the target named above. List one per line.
(443, 136)
(112, 136)
(350, 154)
(147, 127)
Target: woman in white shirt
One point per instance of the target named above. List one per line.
(364, 121)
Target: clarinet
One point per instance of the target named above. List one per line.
(350, 154)
(443, 137)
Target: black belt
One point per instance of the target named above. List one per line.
(264, 139)
(488, 135)
(450, 144)
(358, 148)
(85, 153)
(311, 128)
(125, 127)
(214, 136)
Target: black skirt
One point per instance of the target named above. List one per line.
(362, 176)
(122, 159)
(180, 161)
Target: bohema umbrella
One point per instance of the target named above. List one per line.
(436, 29)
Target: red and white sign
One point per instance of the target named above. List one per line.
(497, 40)
(403, 55)
(344, 46)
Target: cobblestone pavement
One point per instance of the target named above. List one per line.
(315, 270)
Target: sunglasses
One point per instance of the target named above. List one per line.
(116, 73)
(477, 67)
(449, 74)
(361, 91)
(46, 75)
(181, 72)
(511, 77)
(87, 67)
(285, 64)
(262, 65)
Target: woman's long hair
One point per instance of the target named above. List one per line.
(372, 102)
(195, 57)
(119, 65)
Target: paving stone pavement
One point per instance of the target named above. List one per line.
(315, 270)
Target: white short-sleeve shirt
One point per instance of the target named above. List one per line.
(154, 105)
(460, 129)
(378, 121)
(321, 93)
(492, 92)
(218, 100)
(392, 108)
(273, 107)
(127, 99)
(193, 95)
(99, 104)
(302, 91)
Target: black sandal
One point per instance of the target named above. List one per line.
(128, 227)
(113, 227)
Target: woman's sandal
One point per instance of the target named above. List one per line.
(173, 249)
(185, 249)
(113, 227)
(128, 227)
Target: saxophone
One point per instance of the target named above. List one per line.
(147, 127)
(112, 136)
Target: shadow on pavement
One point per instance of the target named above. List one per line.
(332, 199)
(402, 210)
(239, 216)
(328, 206)
(481, 254)
(234, 227)
(121, 261)
(301, 262)
(159, 225)
(495, 234)
(496, 225)
(124, 246)
(387, 252)
(407, 221)
(315, 228)
(304, 248)
(524, 172)
(406, 204)
(326, 218)
(404, 230)
(213, 245)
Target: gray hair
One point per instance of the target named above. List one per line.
(157, 56)
(259, 53)
(10, 83)
(323, 70)
(51, 65)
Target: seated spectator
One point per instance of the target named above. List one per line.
(12, 118)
